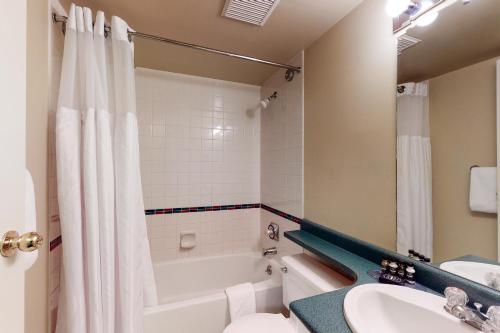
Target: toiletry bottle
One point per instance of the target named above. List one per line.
(384, 266)
(410, 274)
(393, 268)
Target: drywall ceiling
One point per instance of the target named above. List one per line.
(293, 26)
(461, 36)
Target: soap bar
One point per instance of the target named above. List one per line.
(391, 279)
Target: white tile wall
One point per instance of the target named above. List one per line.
(284, 245)
(282, 143)
(200, 144)
(218, 232)
(282, 156)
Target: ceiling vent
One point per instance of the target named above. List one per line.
(405, 42)
(251, 11)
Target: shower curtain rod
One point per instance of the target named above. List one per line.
(291, 70)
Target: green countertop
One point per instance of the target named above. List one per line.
(354, 258)
(324, 313)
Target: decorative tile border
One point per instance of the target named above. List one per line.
(224, 207)
(199, 209)
(282, 214)
(58, 240)
(55, 243)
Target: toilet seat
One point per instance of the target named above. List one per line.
(261, 323)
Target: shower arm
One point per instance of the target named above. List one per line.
(290, 70)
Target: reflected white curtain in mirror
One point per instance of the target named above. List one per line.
(107, 275)
(414, 170)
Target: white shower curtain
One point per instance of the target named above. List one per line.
(107, 275)
(414, 171)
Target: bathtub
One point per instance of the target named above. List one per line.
(191, 292)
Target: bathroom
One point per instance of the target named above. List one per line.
(232, 166)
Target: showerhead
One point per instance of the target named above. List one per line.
(265, 102)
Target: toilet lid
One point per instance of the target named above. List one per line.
(261, 323)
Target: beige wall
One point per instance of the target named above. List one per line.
(463, 133)
(36, 157)
(350, 140)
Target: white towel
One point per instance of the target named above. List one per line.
(241, 300)
(483, 190)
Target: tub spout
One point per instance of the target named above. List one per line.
(270, 251)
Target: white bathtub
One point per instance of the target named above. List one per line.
(191, 292)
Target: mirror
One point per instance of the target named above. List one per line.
(447, 136)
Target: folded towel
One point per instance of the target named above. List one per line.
(241, 300)
(483, 190)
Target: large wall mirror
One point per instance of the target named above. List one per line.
(447, 137)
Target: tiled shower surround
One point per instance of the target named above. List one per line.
(282, 143)
(200, 143)
(210, 164)
(199, 140)
(282, 156)
(200, 147)
(218, 232)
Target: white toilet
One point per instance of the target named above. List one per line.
(305, 277)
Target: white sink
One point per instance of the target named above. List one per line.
(474, 271)
(377, 308)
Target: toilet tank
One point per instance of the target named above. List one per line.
(307, 276)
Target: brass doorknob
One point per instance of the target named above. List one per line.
(11, 241)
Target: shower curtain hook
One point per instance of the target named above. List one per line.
(289, 75)
(55, 19)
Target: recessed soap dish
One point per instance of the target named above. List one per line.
(188, 239)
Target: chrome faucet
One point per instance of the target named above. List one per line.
(456, 305)
(269, 251)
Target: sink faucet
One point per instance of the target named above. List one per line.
(269, 251)
(456, 305)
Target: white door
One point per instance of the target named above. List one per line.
(12, 161)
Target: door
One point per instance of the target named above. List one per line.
(12, 149)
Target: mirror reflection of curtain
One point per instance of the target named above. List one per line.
(414, 170)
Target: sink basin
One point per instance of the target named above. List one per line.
(474, 271)
(376, 308)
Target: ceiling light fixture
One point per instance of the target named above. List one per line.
(425, 16)
(394, 8)
(429, 17)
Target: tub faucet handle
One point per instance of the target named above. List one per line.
(273, 231)
(270, 251)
